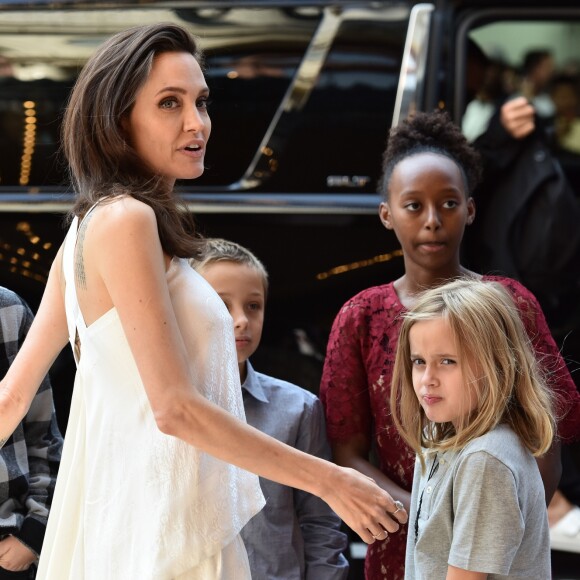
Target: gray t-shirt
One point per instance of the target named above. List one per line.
(483, 509)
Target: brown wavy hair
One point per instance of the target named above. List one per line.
(102, 163)
(497, 361)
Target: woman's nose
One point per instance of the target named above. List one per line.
(193, 121)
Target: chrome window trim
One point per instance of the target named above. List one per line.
(293, 203)
(296, 96)
(304, 82)
(413, 67)
(197, 4)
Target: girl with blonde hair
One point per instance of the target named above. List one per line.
(429, 174)
(468, 397)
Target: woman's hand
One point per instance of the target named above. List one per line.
(14, 555)
(354, 453)
(363, 506)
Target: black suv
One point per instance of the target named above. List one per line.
(303, 95)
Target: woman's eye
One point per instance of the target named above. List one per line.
(450, 204)
(447, 361)
(168, 103)
(417, 361)
(413, 206)
(254, 306)
(203, 103)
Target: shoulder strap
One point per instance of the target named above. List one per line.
(70, 296)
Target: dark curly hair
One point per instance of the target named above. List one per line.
(432, 132)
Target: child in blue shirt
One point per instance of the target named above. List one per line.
(296, 535)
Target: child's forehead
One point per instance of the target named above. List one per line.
(428, 161)
(234, 271)
(432, 333)
(425, 165)
(432, 325)
(240, 268)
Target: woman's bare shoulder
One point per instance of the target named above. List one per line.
(120, 216)
(125, 207)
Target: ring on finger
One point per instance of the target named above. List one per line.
(399, 505)
(378, 536)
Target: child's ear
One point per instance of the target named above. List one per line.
(385, 215)
(470, 210)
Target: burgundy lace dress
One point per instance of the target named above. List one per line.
(356, 385)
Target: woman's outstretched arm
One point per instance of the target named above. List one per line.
(123, 245)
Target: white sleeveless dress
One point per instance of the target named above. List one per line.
(132, 503)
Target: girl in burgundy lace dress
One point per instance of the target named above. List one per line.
(429, 172)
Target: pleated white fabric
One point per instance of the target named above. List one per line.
(132, 503)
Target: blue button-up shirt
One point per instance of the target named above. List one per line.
(296, 536)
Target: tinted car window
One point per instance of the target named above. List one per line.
(275, 128)
(332, 138)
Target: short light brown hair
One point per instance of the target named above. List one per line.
(222, 250)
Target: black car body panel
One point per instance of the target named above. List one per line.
(303, 93)
(303, 96)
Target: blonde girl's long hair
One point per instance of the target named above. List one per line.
(497, 361)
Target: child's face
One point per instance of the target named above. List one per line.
(428, 210)
(437, 373)
(241, 288)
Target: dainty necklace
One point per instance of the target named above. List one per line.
(432, 472)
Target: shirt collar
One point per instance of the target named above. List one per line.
(252, 384)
